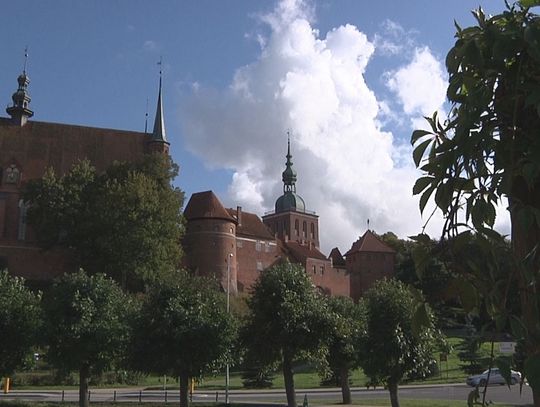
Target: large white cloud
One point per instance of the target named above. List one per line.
(349, 169)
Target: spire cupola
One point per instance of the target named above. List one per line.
(289, 175)
(290, 200)
(20, 111)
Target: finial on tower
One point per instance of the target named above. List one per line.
(25, 59)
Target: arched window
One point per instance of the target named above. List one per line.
(304, 229)
(312, 230)
(296, 227)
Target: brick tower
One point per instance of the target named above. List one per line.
(291, 221)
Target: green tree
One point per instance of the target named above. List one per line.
(348, 326)
(125, 222)
(182, 330)
(394, 347)
(488, 151)
(288, 320)
(86, 325)
(19, 323)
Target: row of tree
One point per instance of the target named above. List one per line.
(87, 323)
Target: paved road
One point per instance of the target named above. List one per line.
(498, 394)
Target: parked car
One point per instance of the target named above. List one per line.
(494, 378)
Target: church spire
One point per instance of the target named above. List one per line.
(159, 123)
(289, 175)
(158, 140)
(19, 112)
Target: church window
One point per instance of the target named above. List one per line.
(12, 174)
(22, 220)
(296, 226)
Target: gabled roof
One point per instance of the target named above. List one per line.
(251, 225)
(369, 243)
(337, 258)
(301, 252)
(206, 205)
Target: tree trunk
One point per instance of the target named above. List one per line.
(289, 381)
(524, 241)
(84, 374)
(345, 389)
(393, 389)
(184, 385)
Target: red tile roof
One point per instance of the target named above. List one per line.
(370, 243)
(206, 205)
(302, 252)
(337, 258)
(251, 225)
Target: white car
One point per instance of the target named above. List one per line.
(494, 378)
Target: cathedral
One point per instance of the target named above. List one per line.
(230, 244)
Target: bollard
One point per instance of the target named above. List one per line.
(114, 396)
(6, 385)
(140, 396)
(305, 404)
(165, 396)
(63, 395)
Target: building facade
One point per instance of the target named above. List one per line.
(233, 245)
(28, 148)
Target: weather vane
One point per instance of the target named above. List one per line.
(160, 62)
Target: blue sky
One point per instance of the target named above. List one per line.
(237, 76)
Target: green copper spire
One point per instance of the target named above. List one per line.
(289, 201)
(289, 175)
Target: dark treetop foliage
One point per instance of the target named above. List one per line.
(487, 152)
(287, 320)
(125, 222)
(394, 348)
(182, 329)
(19, 323)
(348, 327)
(86, 325)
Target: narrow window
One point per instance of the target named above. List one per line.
(258, 246)
(312, 230)
(259, 266)
(22, 220)
(296, 227)
(304, 229)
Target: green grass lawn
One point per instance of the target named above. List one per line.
(449, 372)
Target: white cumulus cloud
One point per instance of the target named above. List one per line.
(349, 168)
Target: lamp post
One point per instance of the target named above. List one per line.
(227, 378)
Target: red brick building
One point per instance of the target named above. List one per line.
(221, 241)
(27, 148)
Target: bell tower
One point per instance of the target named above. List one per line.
(290, 219)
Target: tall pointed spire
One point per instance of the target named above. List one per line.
(159, 123)
(158, 140)
(19, 112)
